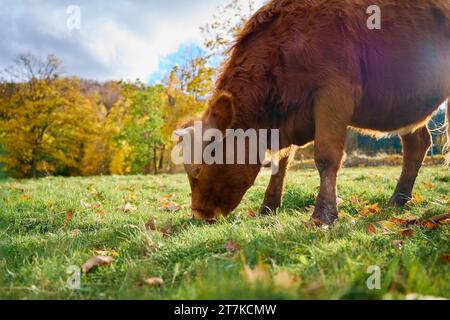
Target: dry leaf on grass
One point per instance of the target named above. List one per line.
(398, 244)
(429, 186)
(251, 213)
(165, 197)
(368, 210)
(102, 253)
(172, 207)
(151, 224)
(388, 226)
(85, 205)
(286, 280)
(408, 233)
(166, 231)
(69, 217)
(259, 274)
(345, 216)
(153, 282)
(128, 207)
(371, 228)
(417, 198)
(96, 261)
(93, 205)
(231, 246)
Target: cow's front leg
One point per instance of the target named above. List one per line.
(274, 192)
(332, 113)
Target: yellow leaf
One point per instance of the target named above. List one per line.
(153, 282)
(96, 261)
(417, 198)
(286, 280)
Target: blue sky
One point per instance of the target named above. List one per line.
(120, 39)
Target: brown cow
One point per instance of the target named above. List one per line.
(311, 69)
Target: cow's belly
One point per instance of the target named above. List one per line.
(395, 115)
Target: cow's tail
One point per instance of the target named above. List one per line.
(447, 157)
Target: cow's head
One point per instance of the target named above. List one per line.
(217, 189)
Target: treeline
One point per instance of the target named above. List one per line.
(372, 147)
(51, 124)
(54, 125)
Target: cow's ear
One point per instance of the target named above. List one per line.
(222, 111)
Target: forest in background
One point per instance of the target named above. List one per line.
(53, 124)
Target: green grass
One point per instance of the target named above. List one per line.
(38, 242)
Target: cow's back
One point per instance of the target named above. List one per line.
(289, 50)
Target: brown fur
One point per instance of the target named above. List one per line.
(312, 68)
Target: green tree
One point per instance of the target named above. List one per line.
(142, 130)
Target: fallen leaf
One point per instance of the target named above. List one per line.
(286, 280)
(408, 233)
(69, 216)
(310, 209)
(368, 210)
(345, 216)
(429, 186)
(165, 197)
(388, 225)
(374, 208)
(398, 245)
(231, 246)
(172, 207)
(96, 261)
(166, 231)
(429, 224)
(416, 198)
(151, 224)
(95, 205)
(354, 199)
(153, 282)
(85, 205)
(102, 253)
(128, 207)
(439, 217)
(259, 274)
(371, 228)
(251, 213)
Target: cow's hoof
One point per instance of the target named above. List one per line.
(322, 217)
(269, 208)
(398, 200)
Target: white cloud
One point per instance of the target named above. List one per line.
(117, 40)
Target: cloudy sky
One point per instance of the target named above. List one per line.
(117, 39)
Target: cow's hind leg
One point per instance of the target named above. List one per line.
(274, 192)
(332, 113)
(415, 148)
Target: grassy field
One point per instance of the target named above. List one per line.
(50, 224)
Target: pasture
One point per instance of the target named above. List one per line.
(143, 223)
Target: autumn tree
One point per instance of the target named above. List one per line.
(45, 120)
